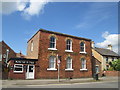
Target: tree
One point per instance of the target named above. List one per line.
(116, 65)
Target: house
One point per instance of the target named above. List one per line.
(102, 57)
(5, 54)
(44, 48)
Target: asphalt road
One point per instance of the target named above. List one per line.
(110, 84)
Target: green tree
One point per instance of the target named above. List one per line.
(116, 65)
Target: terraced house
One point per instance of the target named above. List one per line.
(75, 56)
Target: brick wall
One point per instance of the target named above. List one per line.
(11, 54)
(44, 54)
(35, 40)
(112, 73)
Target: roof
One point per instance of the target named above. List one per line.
(106, 52)
(19, 55)
(23, 59)
(58, 33)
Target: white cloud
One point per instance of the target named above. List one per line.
(35, 7)
(8, 7)
(109, 39)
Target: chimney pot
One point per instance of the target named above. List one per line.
(93, 43)
(109, 47)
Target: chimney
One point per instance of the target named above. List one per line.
(20, 53)
(109, 47)
(93, 44)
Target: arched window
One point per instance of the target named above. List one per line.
(68, 63)
(83, 63)
(52, 62)
(52, 42)
(68, 44)
(82, 47)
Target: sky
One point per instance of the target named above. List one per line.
(93, 20)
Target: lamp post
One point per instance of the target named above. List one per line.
(7, 55)
(58, 63)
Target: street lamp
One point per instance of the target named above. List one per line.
(58, 63)
(7, 55)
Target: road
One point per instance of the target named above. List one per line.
(110, 84)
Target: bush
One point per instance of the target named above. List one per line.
(116, 65)
(111, 69)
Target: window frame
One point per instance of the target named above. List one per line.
(52, 68)
(107, 59)
(83, 62)
(70, 64)
(70, 46)
(84, 47)
(50, 42)
(19, 67)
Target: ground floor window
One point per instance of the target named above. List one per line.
(83, 63)
(69, 63)
(18, 68)
(52, 62)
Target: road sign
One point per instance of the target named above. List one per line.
(58, 61)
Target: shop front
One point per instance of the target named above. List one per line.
(22, 68)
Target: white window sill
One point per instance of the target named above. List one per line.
(18, 71)
(52, 49)
(68, 51)
(69, 69)
(83, 69)
(83, 52)
(51, 69)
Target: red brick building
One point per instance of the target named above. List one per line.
(74, 53)
(5, 54)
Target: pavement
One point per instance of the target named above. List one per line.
(8, 83)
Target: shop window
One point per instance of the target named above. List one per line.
(18, 68)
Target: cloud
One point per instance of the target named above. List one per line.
(27, 8)
(109, 39)
(8, 7)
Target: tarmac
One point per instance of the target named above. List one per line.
(56, 81)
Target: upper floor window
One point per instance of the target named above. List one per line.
(82, 47)
(52, 42)
(31, 45)
(106, 59)
(68, 44)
